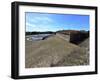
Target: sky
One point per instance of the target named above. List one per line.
(54, 22)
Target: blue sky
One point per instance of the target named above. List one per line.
(54, 22)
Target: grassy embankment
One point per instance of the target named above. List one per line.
(54, 51)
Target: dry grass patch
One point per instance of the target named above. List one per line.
(53, 51)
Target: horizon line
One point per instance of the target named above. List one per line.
(57, 30)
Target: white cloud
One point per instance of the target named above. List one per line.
(41, 23)
(41, 19)
(47, 19)
(30, 25)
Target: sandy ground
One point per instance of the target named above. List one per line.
(54, 51)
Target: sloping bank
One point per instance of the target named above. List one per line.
(54, 51)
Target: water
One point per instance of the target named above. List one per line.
(37, 37)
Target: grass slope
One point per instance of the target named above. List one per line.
(53, 51)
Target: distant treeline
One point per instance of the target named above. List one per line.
(75, 35)
(34, 33)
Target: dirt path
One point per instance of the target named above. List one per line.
(64, 37)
